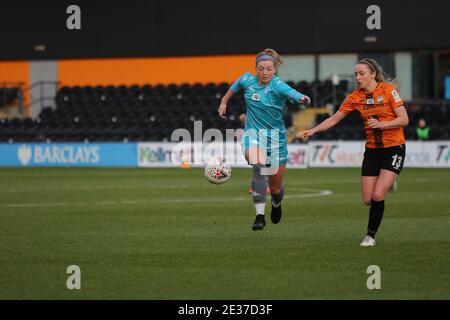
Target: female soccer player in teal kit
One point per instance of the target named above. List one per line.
(264, 141)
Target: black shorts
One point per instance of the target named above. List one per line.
(375, 159)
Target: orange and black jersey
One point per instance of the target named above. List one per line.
(379, 104)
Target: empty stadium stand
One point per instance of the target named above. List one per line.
(151, 113)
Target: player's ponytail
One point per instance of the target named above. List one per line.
(275, 57)
(380, 75)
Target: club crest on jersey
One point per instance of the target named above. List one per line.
(255, 97)
(380, 99)
(370, 101)
(396, 95)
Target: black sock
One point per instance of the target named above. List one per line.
(375, 217)
(276, 198)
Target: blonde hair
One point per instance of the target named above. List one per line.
(276, 58)
(380, 75)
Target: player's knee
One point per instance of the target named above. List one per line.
(255, 157)
(378, 196)
(367, 199)
(258, 161)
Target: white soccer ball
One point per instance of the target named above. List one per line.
(217, 171)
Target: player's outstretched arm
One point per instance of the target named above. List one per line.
(323, 126)
(224, 102)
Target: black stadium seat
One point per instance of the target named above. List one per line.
(152, 112)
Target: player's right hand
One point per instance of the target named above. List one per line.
(222, 110)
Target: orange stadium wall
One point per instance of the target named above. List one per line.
(153, 70)
(14, 71)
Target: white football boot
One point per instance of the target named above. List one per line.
(393, 188)
(368, 241)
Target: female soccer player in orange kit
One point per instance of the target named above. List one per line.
(384, 116)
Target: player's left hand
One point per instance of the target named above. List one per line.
(305, 100)
(375, 124)
(305, 134)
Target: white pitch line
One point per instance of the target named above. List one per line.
(320, 193)
(91, 188)
(316, 193)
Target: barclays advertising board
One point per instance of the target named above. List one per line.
(68, 155)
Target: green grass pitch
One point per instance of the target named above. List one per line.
(169, 234)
